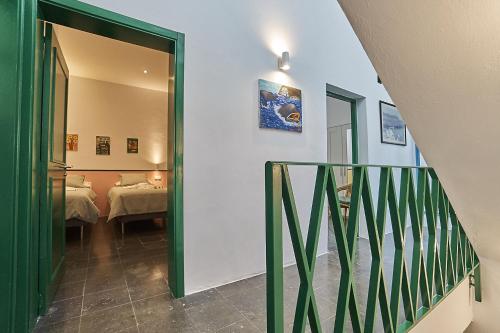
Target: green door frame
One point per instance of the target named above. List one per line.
(19, 134)
(354, 124)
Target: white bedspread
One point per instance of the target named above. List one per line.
(136, 199)
(80, 204)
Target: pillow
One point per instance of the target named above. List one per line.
(87, 184)
(132, 178)
(75, 180)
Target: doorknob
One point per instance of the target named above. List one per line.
(64, 167)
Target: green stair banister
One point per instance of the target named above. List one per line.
(421, 203)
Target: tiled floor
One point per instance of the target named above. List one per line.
(120, 285)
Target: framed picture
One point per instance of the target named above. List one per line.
(392, 126)
(102, 145)
(72, 142)
(280, 106)
(132, 145)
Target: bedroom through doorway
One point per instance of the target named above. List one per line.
(104, 231)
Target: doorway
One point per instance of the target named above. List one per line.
(342, 148)
(342, 130)
(101, 22)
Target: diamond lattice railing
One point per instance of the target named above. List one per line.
(437, 265)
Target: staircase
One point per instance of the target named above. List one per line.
(439, 62)
(428, 256)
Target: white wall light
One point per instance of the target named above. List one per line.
(284, 61)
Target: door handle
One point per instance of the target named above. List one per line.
(63, 167)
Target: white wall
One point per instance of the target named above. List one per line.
(229, 46)
(452, 315)
(121, 112)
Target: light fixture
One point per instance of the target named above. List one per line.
(145, 71)
(284, 61)
(157, 178)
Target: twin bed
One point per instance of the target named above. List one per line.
(132, 198)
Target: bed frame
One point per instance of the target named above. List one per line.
(139, 217)
(74, 222)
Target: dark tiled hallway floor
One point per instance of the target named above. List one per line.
(120, 285)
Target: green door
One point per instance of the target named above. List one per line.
(53, 167)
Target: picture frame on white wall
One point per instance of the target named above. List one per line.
(132, 145)
(280, 106)
(392, 125)
(71, 142)
(102, 145)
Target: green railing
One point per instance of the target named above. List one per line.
(448, 260)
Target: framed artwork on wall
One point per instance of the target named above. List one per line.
(102, 145)
(132, 145)
(72, 142)
(280, 106)
(392, 125)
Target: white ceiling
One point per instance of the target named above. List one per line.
(100, 58)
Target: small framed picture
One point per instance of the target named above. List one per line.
(102, 145)
(132, 145)
(392, 125)
(280, 107)
(72, 142)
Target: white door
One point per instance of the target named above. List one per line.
(339, 150)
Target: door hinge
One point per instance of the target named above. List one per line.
(40, 301)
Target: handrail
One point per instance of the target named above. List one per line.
(347, 165)
(431, 277)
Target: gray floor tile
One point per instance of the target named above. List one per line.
(105, 271)
(133, 329)
(74, 275)
(162, 310)
(151, 238)
(164, 326)
(69, 290)
(114, 259)
(140, 290)
(212, 316)
(136, 265)
(93, 302)
(62, 310)
(141, 272)
(96, 285)
(68, 326)
(243, 326)
(200, 298)
(111, 320)
(71, 263)
(233, 288)
(155, 245)
(251, 303)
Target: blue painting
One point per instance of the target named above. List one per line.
(392, 125)
(280, 106)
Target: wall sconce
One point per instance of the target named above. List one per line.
(157, 178)
(284, 61)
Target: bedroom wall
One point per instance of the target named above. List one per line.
(121, 112)
(229, 46)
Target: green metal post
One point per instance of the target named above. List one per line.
(274, 248)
